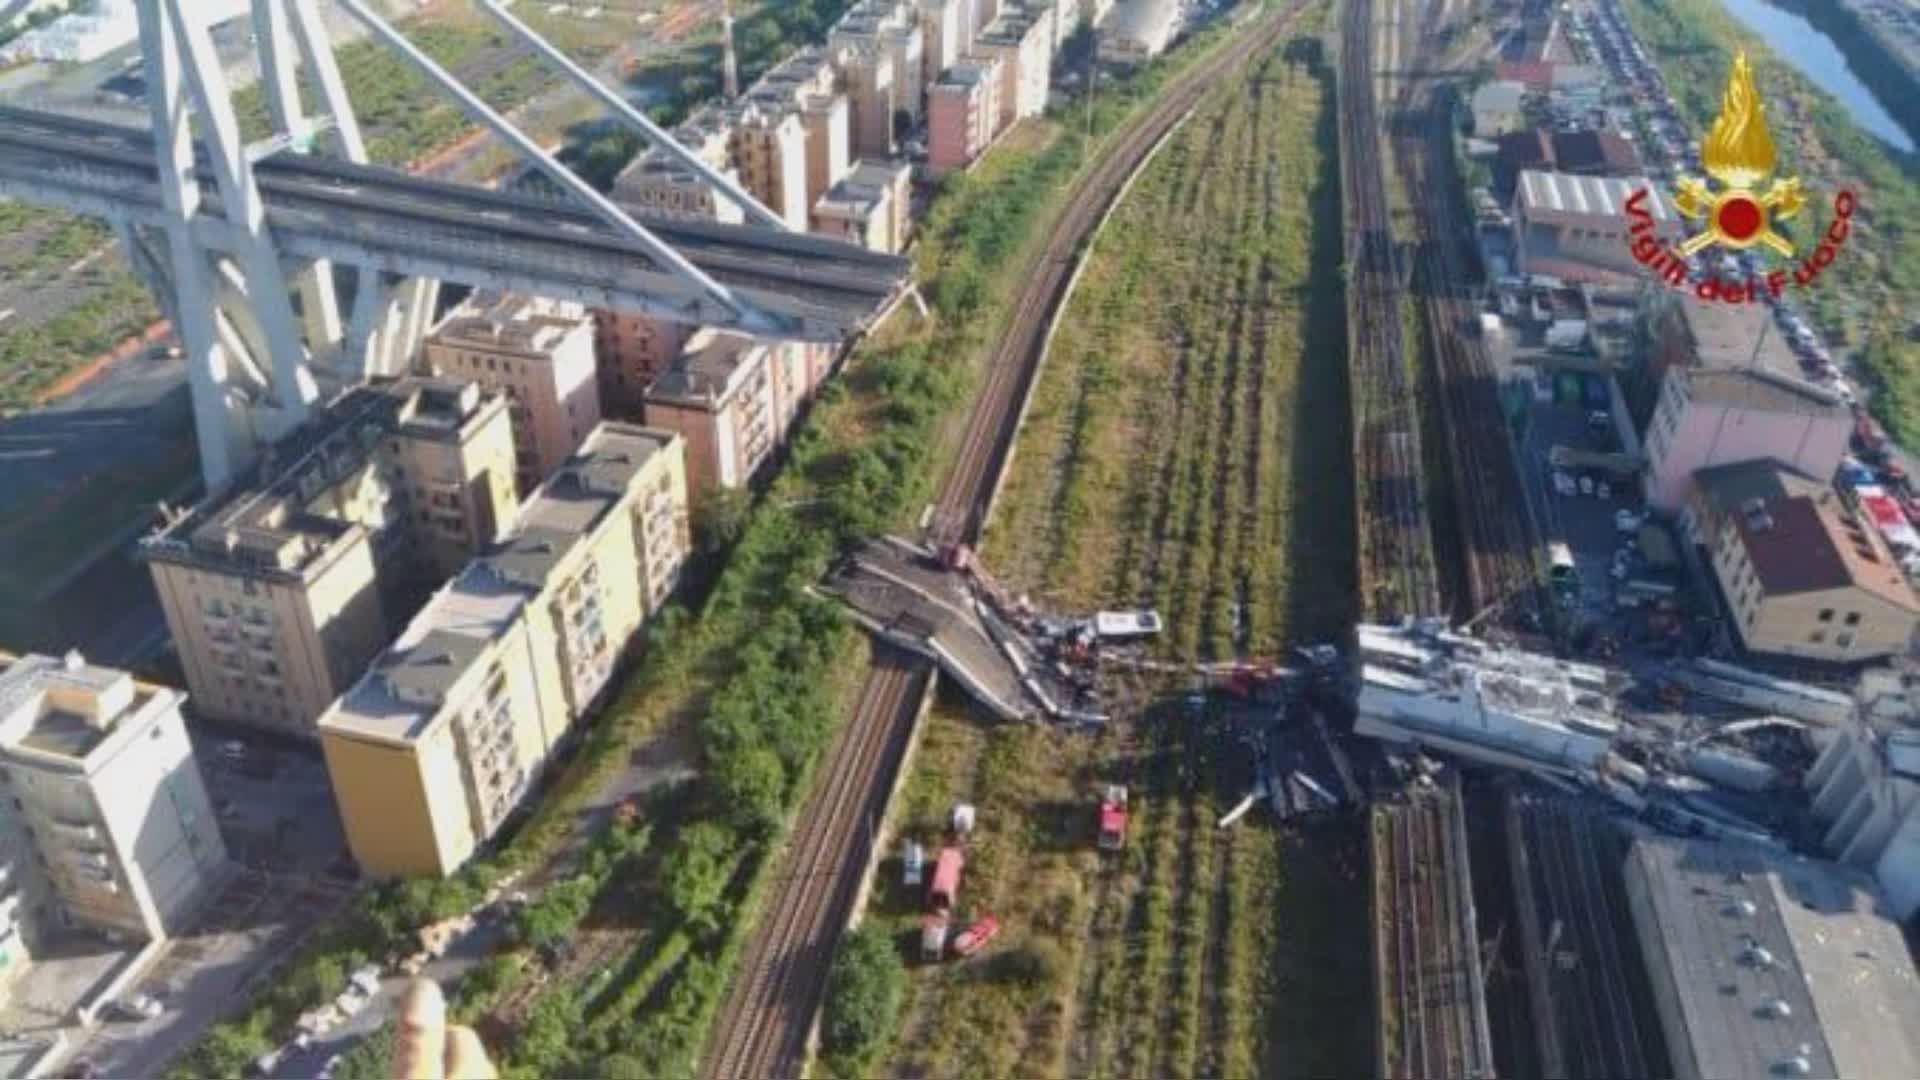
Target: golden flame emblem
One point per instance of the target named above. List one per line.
(1738, 152)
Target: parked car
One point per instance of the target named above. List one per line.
(137, 1007)
(1626, 521)
(233, 750)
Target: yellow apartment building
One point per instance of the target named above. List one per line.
(434, 747)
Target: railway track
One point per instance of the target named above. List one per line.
(1396, 560)
(1433, 1015)
(1498, 536)
(763, 1025)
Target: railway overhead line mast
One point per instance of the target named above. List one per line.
(250, 246)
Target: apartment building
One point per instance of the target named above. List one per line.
(869, 206)
(105, 823)
(1802, 576)
(733, 398)
(275, 590)
(1727, 393)
(633, 349)
(1138, 31)
(945, 36)
(889, 28)
(963, 114)
(653, 183)
(540, 354)
(873, 94)
(1023, 44)
(770, 156)
(438, 743)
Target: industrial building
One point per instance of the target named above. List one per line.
(275, 589)
(1865, 791)
(1496, 108)
(1765, 964)
(106, 824)
(1725, 390)
(869, 206)
(1422, 685)
(1576, 228)
(1801, 574)
(1138, 31)
(536, 351)
(733, 399)
(435, 746)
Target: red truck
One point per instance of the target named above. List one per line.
(940, 894)
(1113, 818)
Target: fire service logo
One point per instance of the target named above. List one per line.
(1733, 210)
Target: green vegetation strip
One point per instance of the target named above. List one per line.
(1865, 298)
(1187, 444)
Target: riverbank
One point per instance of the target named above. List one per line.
(1891, 74)
(1862, 304)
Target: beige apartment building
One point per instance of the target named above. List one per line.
(105, 824)
(1024, 45)
(869, 206)
(945, 36)
(437, 744)
(273, 589)
(888, 28)
(653, 183)
(1802, 575)
(770, 156)
(873, 94)
(540, 354)
(634, 349)
(963, 114)
(733, 398)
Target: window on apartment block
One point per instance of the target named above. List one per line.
(1853, 618)
(1844, 639)
(1817, 637)
(1826, 614)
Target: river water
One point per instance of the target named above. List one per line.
(1814, 54)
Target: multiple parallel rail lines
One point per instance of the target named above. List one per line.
(1431, 1005)
(1397, 575)
(763, 1025)
(1590, 1018)
(1498, 538)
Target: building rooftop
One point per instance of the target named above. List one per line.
(1774, 958)
(64, 707)
(1800, 537)
(1140, 20)
(1594, 151)
(865, 187)
(403, 690)
(1554, 195)
(261, 523)
(1499, 96)
(968, 72)
(491, 318)
(708, 369)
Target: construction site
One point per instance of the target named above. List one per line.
(1203, 780)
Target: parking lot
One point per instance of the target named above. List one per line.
(276, 807)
